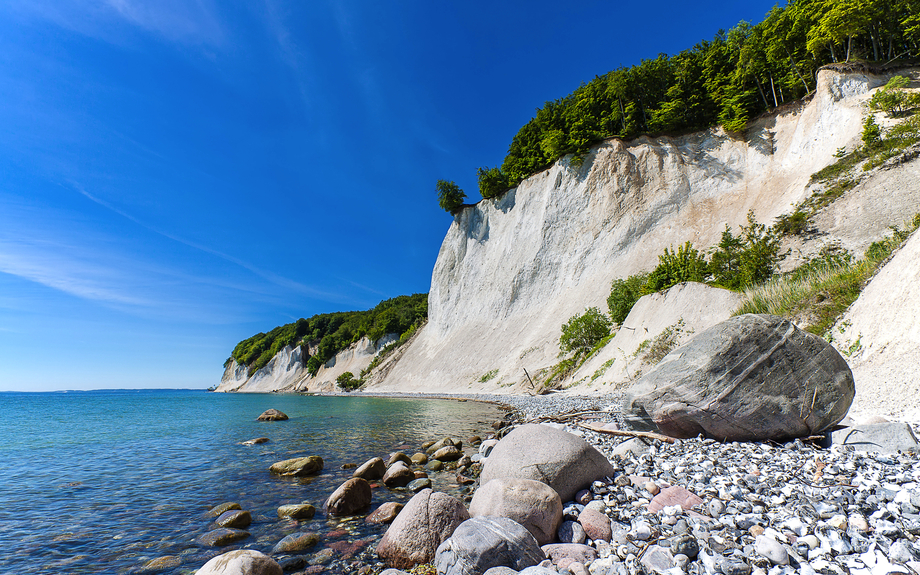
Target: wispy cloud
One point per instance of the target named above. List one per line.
(272, 277)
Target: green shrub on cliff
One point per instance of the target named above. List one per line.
(582, 332)
(329, 333)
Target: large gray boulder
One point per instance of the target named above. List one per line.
(750, 378)
(531, 503)
(485, 542)
(425, 522)
(241, 562)
(542, 453)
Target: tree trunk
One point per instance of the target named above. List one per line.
(796, 69)
(849, 45)
(874, 43)
(773, 87)
(762, 97)
(833, 54)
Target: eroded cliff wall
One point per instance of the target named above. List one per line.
(512, 270)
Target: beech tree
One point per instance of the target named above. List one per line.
(450, 196)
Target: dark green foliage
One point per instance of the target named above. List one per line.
(746, 260)
(624, 294)
(892, 99)
(736, 76)
(330, 333)
(492, 182)
(582, 332)
(871, 133)
(348, 382)
(686, 264)
(794, 224)
(450, 196)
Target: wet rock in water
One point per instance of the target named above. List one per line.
(385, 513)
(272, 415)
(256, 441)
(418, 484)
(218, 510)
(485, 542)
(419, 459)
(399, 456)
(295, 563)
(241, 562)
(237, 519)
(447, 453)
(531, 503)
(371, 469)
(751, 377)
(398, 475)
(222, 537)
(420, 474)
(321, 558)
(564, 461)
(464, 480)
(424, 523)
(296, 542)
(474, 441)
(352, 496)
(349, 465)
(298, 466)
(296, 511)
(447, 441)
(434, 465)
(164, 563)
(889, 437)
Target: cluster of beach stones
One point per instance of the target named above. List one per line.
(550, 503)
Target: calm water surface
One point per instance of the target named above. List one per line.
(104, 481)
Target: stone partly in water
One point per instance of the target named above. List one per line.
(296, 542)
(237, 519)
(256, 441)
(352, 496)
(371, 469)
(418, 484)
(241, 562)
(399, 456)
(425, 522)
(752, 377)
(485, 542)
(164, 563)
(398, 475)
(222, 537)
(296, 511)
(218, 510)
(385, 513)
(531, 503)
(298, 466)
(447, 453)
(272, 415)
(565, 462)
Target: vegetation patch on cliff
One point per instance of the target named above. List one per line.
(329, 333)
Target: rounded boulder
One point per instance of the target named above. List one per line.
(241, 562)
(272, 415)
(371, 469)
(531, 503)
(426, 521)
(565, 462)
(485, 542)
(352, 496)
(298, 466)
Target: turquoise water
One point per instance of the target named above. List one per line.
(104, 481)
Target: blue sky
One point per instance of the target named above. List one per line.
(176, 176)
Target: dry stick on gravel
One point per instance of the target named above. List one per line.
(643, 434)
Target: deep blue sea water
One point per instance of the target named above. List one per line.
(104, 481)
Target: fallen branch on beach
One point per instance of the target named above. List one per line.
(618, 432)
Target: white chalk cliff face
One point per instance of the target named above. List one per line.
(511, 271)
(287, 371)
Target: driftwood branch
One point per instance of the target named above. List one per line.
(617, 432)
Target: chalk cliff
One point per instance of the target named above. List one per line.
(512, 270)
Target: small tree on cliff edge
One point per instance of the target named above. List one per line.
(450, 196)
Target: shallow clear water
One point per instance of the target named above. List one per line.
(104, 481)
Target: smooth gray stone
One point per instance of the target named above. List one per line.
(888, 437)
(564, 461)
(500, 570)
(485, 542)
(750, 378)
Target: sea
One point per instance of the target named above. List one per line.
(120, 481)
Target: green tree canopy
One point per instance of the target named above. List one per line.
(450, 196)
